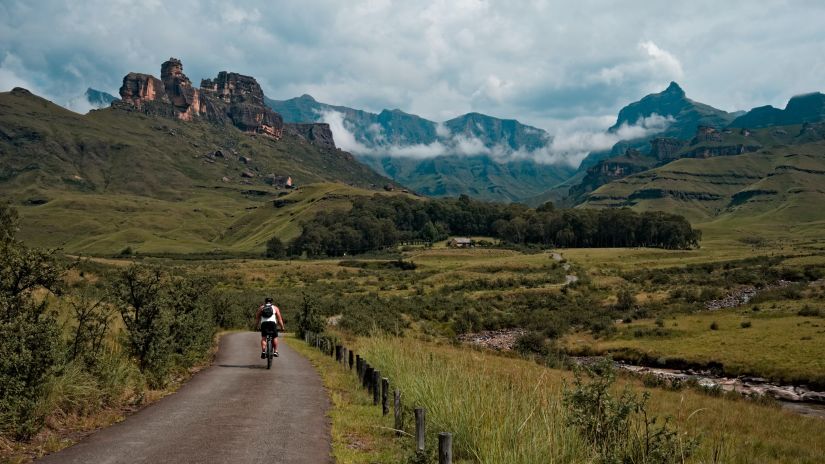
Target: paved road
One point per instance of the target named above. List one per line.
(233, 412)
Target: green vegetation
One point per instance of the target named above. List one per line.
(516, 412)
(114, 179)
(67, 362)
(378, 222)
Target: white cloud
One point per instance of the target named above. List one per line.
(570, 145)
(436, 58)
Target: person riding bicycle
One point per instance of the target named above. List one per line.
(269, 318)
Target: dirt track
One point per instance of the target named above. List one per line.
(233, 412)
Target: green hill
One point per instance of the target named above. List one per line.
(780, 184)
(114, 178)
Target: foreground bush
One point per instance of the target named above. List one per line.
(27, 330)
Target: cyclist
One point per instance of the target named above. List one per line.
(269, 318)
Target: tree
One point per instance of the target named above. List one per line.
(138, 293)
(275, 248)
(308, 319)
(26, 327)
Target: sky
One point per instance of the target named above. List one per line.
(561, 66)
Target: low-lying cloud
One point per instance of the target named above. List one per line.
(565, 147)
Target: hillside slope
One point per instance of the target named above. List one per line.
(114, 178)
(781, 183)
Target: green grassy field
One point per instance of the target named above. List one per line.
(510, 410)
(778, 344)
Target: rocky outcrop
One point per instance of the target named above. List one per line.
(137, 89)
(706, 134)
(666, 148)
(318, 134)
(229, 98)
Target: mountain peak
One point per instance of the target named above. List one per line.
(674, 89)
(307, 97)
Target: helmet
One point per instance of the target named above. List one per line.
(268, 300)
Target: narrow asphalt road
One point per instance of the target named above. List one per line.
(236, 411)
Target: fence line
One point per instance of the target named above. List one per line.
(379, 387)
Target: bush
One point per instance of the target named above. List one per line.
(25, 366)
(714, 326)
(275, 248)
(745, 324)
(532, 343)
(138, 293)
(618, 427)
(808, 311)
(308, 319)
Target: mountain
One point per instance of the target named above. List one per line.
(627, 157)
(672, 102)
(169, 168)
(98, 98)
(800, 109)
(765, 176)
(472, 154)
(685, 116)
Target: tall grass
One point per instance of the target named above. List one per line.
(511, 413)
(510, 410)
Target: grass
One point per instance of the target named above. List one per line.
(360, 434)
(100, 182)
(510, 410)
(778, 345)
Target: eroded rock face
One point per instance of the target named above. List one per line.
(230, 97)
(318, 134)
(179, 90)
(137, 89)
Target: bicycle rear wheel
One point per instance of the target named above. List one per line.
(268, 352)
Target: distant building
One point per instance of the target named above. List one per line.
(460, 242)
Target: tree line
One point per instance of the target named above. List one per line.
(380, 221)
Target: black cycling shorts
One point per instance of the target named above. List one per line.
(269, 327)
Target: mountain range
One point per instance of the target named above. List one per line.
(174, 167)
(475, 154)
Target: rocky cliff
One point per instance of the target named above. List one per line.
(229, 98)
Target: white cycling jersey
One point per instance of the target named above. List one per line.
(274, 317)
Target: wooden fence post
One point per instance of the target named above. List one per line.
(445, 448)
(338, 353)
(420, 428)
(376, 387)
(351, 355)
(385, 396)
(399, 414)
(358, 365)
(368, 378)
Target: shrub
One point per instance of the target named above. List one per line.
(25, 323)
(618, 427)
(808, 311)
(275, 248)
(714, 326)
(532, 343)
(745, 324)
(138, 293)
(308, 319)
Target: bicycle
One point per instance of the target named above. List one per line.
(269, 350)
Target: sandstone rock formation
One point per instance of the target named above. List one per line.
(229, 98)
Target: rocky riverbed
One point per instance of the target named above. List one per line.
(799, 399)
(741, 296)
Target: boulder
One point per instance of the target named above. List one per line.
(248, 174)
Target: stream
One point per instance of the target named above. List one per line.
(798, 399)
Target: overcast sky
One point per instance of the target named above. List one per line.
(550, 64)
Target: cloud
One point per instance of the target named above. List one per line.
(535, 63)
(569, 146)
